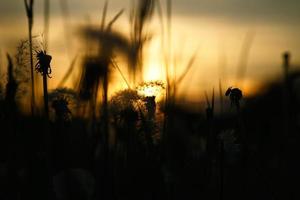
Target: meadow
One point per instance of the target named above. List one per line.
(82, 141)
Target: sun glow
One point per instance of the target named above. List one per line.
(153, 72)
(151, 88)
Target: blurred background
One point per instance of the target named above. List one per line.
(226, 34)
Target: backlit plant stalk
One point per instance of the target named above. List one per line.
(43, 67)
(29, 12)
(286, 66)
(46, 22)
(139, 18)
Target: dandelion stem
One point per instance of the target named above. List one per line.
(45, 88)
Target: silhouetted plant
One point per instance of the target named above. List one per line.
(124, 99)
(129, 109)
(43, 67)
(22, 69)
(235, 95)
(43, 64)
(149, 91)
(210, 106)
(1, 91)
(139, 17)
(29, 11)
(62, 112)
(285, 93)
(126, 160)
(150, 88)
(63, 101)
(91, 77)
(97, 67)
(68, 72)
(210, 136)
(125, 112)
(46, 22)
(11, 86)
(1, 82)
(150, 106)
(96, 76)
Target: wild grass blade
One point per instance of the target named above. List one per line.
(121, 73)
(29, 11)
(104, 13)
(207, 99)
(221, 99)
(116, 17)
(187, 68)
(213, 100)
(68, 73)
(46, 22)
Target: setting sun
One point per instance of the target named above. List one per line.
(153, 72)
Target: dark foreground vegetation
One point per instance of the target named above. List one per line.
(82, 144)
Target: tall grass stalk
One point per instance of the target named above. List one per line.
(104, 13)
(29, 11)
(46, 98)
(169, 46)
(11, 120)
(121, 73)
(222, 75)
(46, 22)
(166, 121)
(43, 67)
(210, 138)
(68, 73)
(139, 17)
(285, 115)
(11, 87)
(221, 99)
(1, 91)
(168, 56)
(244, 147)
(167, 143)
(286, 67)
(46, 39)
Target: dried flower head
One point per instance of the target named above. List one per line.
(63, 101)
(151, 88)
(235, 95)
(123, 100)
(43, 64)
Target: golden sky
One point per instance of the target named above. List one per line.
(217, 28)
